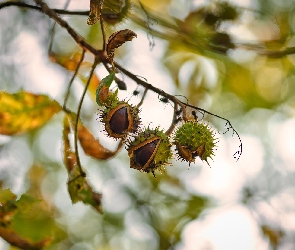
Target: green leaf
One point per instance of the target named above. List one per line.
(25, 223)
(80, 190)
(6, 195)
(7, 206)
(103, 88)
(16, 240)
(24, 111)
(108, 79)
(26, 202)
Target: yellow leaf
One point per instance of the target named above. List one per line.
(69, 62)
(24, 111)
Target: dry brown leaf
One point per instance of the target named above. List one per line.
(95, 11)
(70, 158)
(92, 146)
(117, 39)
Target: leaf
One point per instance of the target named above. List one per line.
(16, 240)
(19, 215)
(102, 91)
(78, 187)
(80, 190)
(69, 61)
(107, 81)
(6, 195)
(95, 11)
(24, 111)
(274, 235)
(10, 206)
(117, 39)
(26, 202)
(7, 206)
(92, 146)
(69, 156)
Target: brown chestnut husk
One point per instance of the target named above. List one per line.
(120, 119)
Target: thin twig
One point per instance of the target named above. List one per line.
(78, 115)
(51, 38)
(33, 7)
(141, 82)
(149, 23)
(174, 121)
(142, 98)
(102, 26)
(104, 43)
(53, 30)
(72, 79)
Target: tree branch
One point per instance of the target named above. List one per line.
(33, 7)
(77, 37)
(52, 13)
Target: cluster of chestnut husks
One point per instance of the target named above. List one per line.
(150, 150)
(194, 139)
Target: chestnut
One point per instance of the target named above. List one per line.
(150, 150)
(144, 152)
(121, 120)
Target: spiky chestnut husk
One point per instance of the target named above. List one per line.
(150, 150)
(119, 117)
(194, 139)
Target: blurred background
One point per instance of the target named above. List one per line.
(218, 56)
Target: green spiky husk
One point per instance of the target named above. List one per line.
(112, 100)
(161, 156)
(194, 139)
(115, 11)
